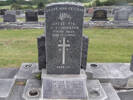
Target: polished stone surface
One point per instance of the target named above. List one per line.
(99, 15)
(64, 25)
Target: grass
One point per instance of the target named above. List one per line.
(17, 46)
(5, 7)
(106, 45)
(23, 19)
(110, 45)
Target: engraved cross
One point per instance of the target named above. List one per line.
(63, 45)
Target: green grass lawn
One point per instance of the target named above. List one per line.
(23, 19)
(106, 45)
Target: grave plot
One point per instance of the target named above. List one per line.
(62, 71)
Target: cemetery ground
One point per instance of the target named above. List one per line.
(106, 45)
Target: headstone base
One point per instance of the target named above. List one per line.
(64, 86)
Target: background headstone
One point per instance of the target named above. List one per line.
(41, 12)
(121, 15)
(64, 23)
(2, 11)
(19, 12)
(31, 16)
(99, 15)
(10, 16)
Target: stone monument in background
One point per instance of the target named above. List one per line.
(9, 16)
(31, 16)
(121, 15)
(100, 15)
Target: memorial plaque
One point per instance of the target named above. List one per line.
(64, 23)
(65, 89)
(64, 86)
(31, 16)
(99, 15)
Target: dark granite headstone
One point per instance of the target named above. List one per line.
(84, 52)
(99, 15)
(41, 52)
(41, 12)
(64, 23)
(2, 11)
(31, 16)
(10, 16)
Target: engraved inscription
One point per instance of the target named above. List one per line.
(63, 16)
(65, 8)
(64, 89)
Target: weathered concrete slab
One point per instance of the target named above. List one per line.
(32, 90)
(6, 86)
(125, 94)
(8, 73)
(95, 90)
(26, 71)
(17, 92)
(110, 91)
(115, 73)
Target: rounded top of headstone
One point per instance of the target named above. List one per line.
(65, 3)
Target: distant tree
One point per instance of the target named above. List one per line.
(40, 5)
(98, 3)
(29, 7)
(15, 6)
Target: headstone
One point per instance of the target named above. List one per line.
(19, 12)
(122, 15)
(63, 77)
(2, 11)
(64, 23)
(42, 52)
(84, 52)
(31, 16)
(10, 16)
(99, 15)
(41, 12)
